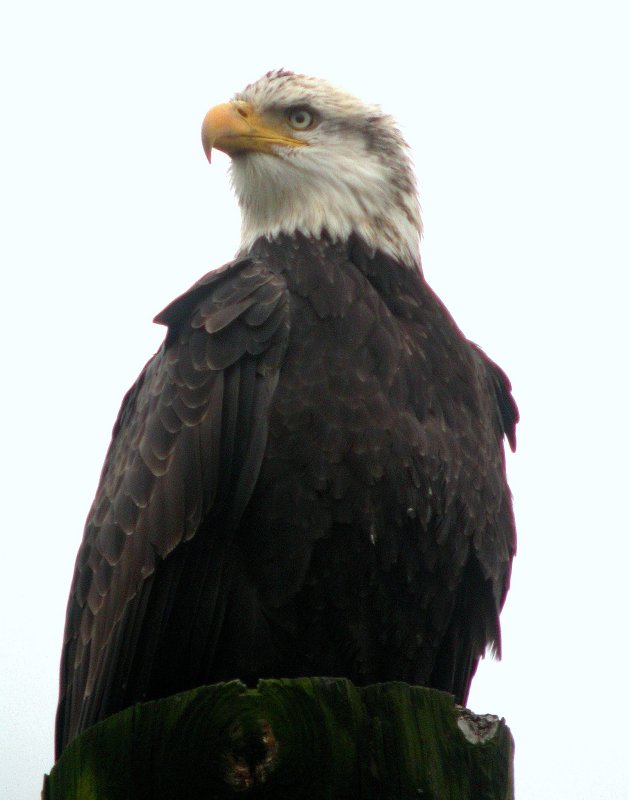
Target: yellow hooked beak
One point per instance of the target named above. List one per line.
(236, 128)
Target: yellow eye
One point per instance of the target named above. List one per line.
(301, 119)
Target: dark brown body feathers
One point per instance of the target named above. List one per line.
(307, 479)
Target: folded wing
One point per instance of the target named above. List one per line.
(184, 459)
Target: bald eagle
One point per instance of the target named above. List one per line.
(308, 478)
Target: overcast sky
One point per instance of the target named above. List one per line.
(518, 119)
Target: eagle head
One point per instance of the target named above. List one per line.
(308, 157)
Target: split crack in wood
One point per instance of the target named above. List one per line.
(252, 756)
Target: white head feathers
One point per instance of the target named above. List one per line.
(354, 175)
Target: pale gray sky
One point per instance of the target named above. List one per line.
(518, 120)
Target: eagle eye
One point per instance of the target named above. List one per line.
(301, 119)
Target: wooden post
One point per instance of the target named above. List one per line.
(304, 739)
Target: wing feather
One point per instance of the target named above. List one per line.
(187, 445)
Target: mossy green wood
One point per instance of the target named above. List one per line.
(305, 739)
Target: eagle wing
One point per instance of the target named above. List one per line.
(186, 448)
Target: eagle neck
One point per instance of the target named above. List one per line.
(307, 261)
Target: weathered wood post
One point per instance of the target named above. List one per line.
(305, 739)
